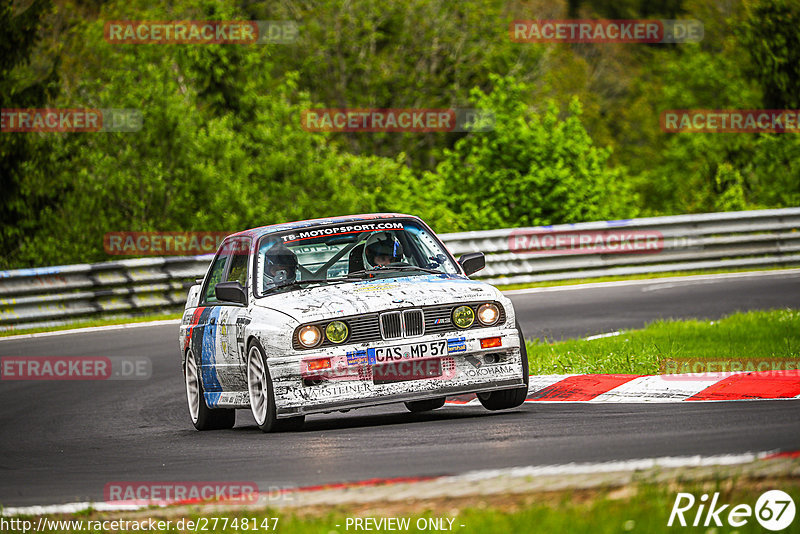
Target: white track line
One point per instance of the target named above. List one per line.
(612, 467)
(651, 281)
(93, 329)
(601, 336)
(69, 508)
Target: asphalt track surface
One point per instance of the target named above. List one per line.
(64, 441)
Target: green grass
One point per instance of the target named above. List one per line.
(759, 334)
(92, 322)
(644, 276)
(638, 508)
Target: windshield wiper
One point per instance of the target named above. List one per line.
(412, 268)
(363, 273)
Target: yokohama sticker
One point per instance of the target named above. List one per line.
(490, 371)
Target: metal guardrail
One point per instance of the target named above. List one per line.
(52, 296)
(48, 296)
(687, 242)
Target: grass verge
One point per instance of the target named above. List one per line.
(638, 507)
(758, 334)
(645, 276)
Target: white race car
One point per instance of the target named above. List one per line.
(341, 313)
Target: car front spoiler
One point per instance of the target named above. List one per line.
(364, 402)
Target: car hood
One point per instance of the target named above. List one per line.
(365, 296)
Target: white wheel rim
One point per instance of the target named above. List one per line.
(192, 387)
(257, 385)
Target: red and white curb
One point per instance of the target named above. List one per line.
(731, 386)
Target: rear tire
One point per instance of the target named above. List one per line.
(203, 417)
(509, 398)
(259, 387)
(424, 405)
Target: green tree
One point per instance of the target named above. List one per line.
(534, 168)
(22, 85)
(222, 156)
(769, 34)
(410, 54)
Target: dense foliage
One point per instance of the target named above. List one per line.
(576, 136)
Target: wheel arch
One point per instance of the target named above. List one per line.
(251, 339)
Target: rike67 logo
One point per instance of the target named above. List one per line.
(774, 510)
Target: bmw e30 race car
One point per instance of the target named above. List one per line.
(347, 312)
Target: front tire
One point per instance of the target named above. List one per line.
(203, 417)
(259, 387)
(424, 405)
(509, 398)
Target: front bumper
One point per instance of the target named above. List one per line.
(353, 379)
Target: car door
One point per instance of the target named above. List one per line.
(220, 339)
(231, 352)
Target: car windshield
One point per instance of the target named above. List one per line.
(344, 252)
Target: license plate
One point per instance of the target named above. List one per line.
(404, 371)
(414, 351)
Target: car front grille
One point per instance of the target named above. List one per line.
(414, 322)
(399, 324)
(391, 325)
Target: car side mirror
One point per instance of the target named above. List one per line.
(230, 292)
(472, 262)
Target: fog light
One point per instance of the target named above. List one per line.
(322, 363)
(336, 331)
(490, 342)
(309, 336)
(463, 317)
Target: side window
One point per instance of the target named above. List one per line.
(238, 270)
(217, 270)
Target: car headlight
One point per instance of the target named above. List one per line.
(488, 314)
(463, 317)
(336, 331)
(309, 336)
